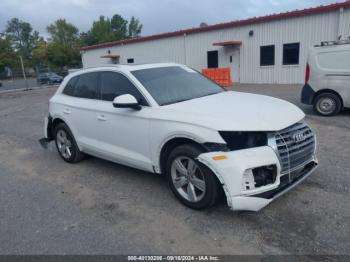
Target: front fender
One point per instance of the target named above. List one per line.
(162, 132)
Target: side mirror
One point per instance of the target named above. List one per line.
(126, 101)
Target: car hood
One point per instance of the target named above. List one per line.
(234, 111)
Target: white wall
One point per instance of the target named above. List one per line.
(192, 49)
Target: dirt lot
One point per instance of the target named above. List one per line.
(96, 207)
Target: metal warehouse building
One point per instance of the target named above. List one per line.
(267, 49)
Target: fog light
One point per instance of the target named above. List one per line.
(264, 175)
(259, 176)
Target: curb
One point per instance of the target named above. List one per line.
(26, 89)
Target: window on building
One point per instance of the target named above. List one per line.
(213, 59)
(86, 86)
(291, 54)
(130, 60)
(115, 84)
(69, 89)
(267, 55)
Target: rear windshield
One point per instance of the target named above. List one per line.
(169, 85)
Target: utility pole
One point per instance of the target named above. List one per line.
(23, 72)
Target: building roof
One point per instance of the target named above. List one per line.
(254, 20)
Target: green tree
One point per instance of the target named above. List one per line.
(119, 27)
(7, 55)
(101, 31)
(63, 32)
(63, 47)
(87, 39)
(107, 30)
(134, 28)
(40, 54)
(21, 36)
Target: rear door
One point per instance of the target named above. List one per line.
(80, 109)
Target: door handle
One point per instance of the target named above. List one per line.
(102, 118)
(66, 111)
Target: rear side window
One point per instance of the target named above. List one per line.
(86, 86)
(114, 84)
(69, 89)
(335, 60)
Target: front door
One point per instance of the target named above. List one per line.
(123, 132)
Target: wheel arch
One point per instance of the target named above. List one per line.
(174, 142)
(170, 145)
(55, 121)
(322, 91)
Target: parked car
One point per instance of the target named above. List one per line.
(49, 78)
(171, 120)
(327, 78)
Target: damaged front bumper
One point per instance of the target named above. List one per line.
(252, 178)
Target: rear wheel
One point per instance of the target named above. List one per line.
(66, 144)
(194, 184)
(327, 104)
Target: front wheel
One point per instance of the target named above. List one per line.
(327, 104)
(194, 184)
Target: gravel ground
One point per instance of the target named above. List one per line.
(97, 207)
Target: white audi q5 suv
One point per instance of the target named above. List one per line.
(171, 120)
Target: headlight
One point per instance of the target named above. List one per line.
(243, 140)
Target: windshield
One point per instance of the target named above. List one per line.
(169, 85)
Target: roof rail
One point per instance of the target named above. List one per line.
(338, 42)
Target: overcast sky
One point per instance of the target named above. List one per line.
(157, 16)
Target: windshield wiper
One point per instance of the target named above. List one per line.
(176, 101)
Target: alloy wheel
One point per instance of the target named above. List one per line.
(188, 179)
(64, 144)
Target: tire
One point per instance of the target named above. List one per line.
(66, 145)
(327, 104)
(190, 189)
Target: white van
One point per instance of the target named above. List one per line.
(327, 78)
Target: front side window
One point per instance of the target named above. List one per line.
(114, 84)
(291, 54)
(169, 85)
(86, 86)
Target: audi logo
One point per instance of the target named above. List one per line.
(298, 137)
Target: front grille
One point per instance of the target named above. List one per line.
(295, 146)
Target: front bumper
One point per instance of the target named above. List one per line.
(230, 171)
